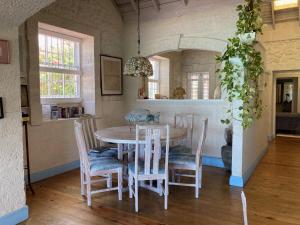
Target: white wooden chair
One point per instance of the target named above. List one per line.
(188, 161)
(244, 203)
(148, 164)
(90, 168)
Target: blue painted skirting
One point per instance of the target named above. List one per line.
(54, 171)
(15, 217)
(212, 161)
(241, 181)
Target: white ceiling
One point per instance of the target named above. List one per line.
(14, 12)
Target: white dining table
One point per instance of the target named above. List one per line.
(125, 135)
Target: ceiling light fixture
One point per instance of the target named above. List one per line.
(138, 66)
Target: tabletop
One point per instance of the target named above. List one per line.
(126, 134)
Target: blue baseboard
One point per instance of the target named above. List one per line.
(236, 181)
(15, 217)
(241, 181)
(41, 175)
(212, 161)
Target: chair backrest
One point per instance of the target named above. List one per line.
(244, 202)
(81, 144)
(149, 137)
(185, 120)
(202, 138)
(89, 128)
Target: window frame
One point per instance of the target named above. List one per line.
(200, 89)
(155, 81)
(63, 71)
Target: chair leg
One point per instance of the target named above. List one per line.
(200, 177)
(109, 181)
(82, 180)
(89, 189)
(160, 187)
(173, 175)
(166, 192)
(130, 183)
(136, 194)
(120, 183)
(197, 183)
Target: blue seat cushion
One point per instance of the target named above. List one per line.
(131, 168)
(105, 163)
(178, 149)
(183, 159)
(103, 152)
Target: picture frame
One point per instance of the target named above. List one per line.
(1, 109)
(111, 75)
(4, 52)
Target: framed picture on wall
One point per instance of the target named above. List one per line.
(4, 52)
(111, 75)
(1, 109)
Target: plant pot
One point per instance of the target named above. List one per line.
(247, 38)
(227, 156)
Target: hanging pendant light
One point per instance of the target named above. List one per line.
(138, 66)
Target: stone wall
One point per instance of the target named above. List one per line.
(12, 195)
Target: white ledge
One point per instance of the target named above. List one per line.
(183, 101)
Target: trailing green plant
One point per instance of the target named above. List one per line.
(241, 81)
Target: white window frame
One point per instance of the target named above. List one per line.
(202, 92)
(54, 99)
(155, 81)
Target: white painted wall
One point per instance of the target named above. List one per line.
(12, 195)
(52, 143)
(282, 48)
(199, 25)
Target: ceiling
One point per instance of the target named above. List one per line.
(130, 6)
(15, 12)
(271, 16)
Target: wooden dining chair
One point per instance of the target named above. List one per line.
(101, 167)
(244, 203)
(189, 161)
(94, 146)
(186, 121)
(148, 164)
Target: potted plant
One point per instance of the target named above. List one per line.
(242, 67)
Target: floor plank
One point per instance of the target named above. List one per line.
(273, 195)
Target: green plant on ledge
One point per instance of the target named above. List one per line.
(242, 47)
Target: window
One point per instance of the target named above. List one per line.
(59, 59)
(285, 4)
(153, 82)
(198, 85)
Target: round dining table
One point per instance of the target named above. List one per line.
(125, 135)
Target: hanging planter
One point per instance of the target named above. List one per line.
(247, 38)
(241, 55)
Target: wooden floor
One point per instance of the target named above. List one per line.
(273, 195)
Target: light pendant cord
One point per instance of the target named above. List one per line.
(138, 28)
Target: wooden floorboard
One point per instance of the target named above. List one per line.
(273, 195)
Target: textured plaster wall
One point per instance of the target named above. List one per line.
(12, 195)
(282, 49)
(203, 25)
(52, 143)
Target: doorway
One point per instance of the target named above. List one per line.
(287, 113)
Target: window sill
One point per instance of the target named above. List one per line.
(48, 101)
(59, 120)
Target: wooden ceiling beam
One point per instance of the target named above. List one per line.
(299, 11)
(134, 5)
(273, 14)
(156, 4)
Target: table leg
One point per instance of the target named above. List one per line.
(120, 151)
